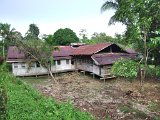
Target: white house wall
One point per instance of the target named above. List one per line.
(63, 66)
(21, 71)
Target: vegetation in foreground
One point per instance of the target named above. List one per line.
(21, 102)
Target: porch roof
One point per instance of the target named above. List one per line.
(110, 58)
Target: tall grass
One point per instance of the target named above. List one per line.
(25, 103)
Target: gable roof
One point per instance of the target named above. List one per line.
(91, 49)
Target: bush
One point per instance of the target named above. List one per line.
(153, 71)
(3, 100)
(3, 96)
(125, 68)
(158, 71)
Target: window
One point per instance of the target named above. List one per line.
(72, 62)
(37, 64)
(32, 65)
(58, 62)
(23, 65)
(67, 61)
(15, 65)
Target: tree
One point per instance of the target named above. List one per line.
(138, 16)
(8, 36)
(33, 32)
(83, 34)
(64, 37)
(37, 50)
(99, 38)
(48, 39)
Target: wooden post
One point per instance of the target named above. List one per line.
(93, 76)
(83, 72)
(104, 80)
(142, 76)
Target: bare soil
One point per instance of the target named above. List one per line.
(115, 99)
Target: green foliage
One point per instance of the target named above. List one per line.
(24, 103)
(100, 38)
(64, 37)
(3, 101)
(143, 18)
(33, 32)
(125, 68)
(48, 39)
(83, 34)
(158, 71)
(153, 71)
(3, 94)
(7, 37)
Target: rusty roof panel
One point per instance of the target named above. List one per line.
(90, 49)
(110, 58)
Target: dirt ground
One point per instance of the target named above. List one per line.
(115, 99)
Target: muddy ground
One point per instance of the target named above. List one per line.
(115, 99)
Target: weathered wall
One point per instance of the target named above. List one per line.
(106, 70)
(84, 63)
(24, 71)
(96, 69)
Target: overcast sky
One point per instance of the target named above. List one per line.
(50, 15)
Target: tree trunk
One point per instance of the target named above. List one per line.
(145, 54)
(53, 78)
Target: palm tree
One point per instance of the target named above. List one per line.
(111, 4)
(7, 36)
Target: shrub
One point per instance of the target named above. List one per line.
(153, 71)
(3, 97)
(157, 71)
(125, 68)
(3, 100)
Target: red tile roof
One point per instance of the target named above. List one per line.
(109, 58)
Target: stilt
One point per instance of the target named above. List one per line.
(104, 79)
(83, 72)
(93, 75)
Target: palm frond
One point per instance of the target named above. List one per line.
(109, 5)
(112, 20)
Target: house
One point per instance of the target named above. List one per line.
(96, 59)
(62, 60)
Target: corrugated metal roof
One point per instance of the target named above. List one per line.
(63, 51)
(15, 53)
(109, 58)
(90, 49)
